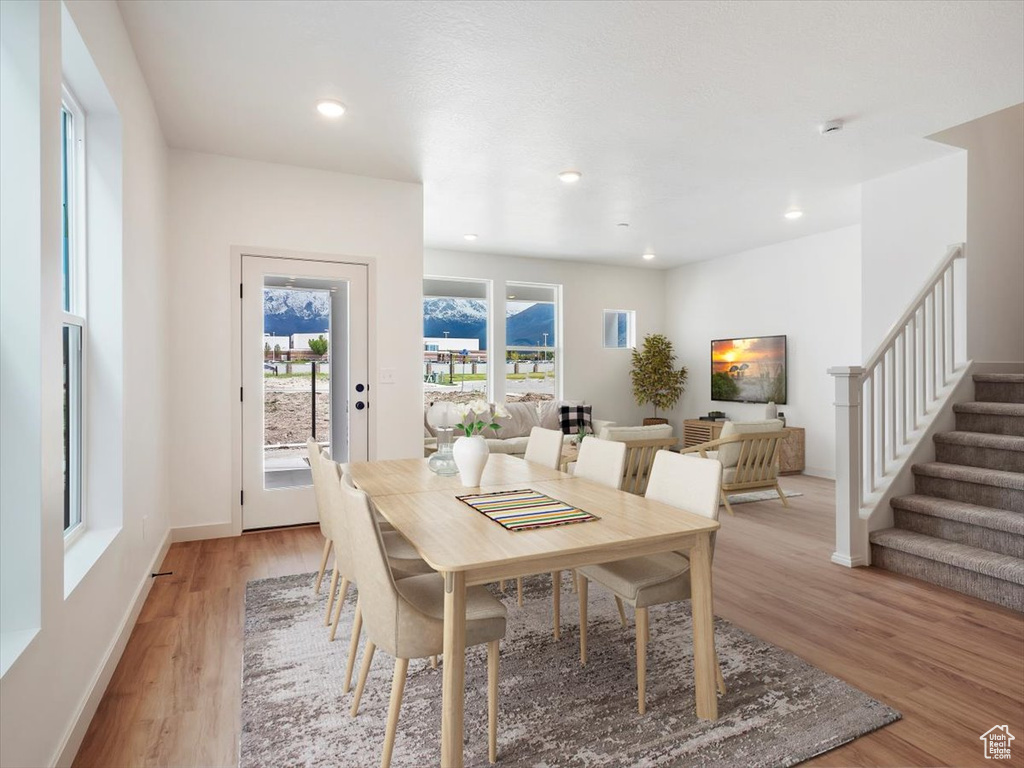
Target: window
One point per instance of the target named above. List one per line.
(455, 336)
(618, 328)
(531, 342)
(73, 303)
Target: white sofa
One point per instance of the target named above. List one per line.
(515, 430)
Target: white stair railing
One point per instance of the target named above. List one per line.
(881, 406)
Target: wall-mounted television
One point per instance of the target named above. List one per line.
(751, 370)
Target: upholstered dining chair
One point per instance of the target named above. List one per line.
(545, 448)
(320, 491)
(405, 618)
(313, 450)
(604, 462)
(682, 482)
(601, 461)
(402, 558)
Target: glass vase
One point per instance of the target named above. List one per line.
(442, 462)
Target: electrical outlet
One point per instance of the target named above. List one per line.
(387, 375)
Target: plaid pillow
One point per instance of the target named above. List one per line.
(576, 417)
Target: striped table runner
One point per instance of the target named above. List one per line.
(526, 509)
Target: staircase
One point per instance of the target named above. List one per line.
(963, 528)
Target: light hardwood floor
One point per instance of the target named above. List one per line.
(953, 665)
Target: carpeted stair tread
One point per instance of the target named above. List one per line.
(962, 512)
(1000, 378)
(991, 409)
(978, 475)
(982, 440)
(997, 566)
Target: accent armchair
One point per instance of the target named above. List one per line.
(749, 452)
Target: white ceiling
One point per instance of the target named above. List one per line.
(696, 122)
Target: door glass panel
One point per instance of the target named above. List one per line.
(297, 351)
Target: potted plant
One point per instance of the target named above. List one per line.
(656, 380)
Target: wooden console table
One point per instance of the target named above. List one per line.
(791, 452)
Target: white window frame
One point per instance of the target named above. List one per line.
(75, 315)
(630, 328)
(558, 349)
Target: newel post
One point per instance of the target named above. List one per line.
(851, 530)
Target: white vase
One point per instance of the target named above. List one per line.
(471, 457)
(771, 411)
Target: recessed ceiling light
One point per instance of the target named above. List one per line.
(648, 256)
(330, 108)
(469, 236)
(794, 214)
(570, 177)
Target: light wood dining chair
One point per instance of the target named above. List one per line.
(544, 447)
(682, 482)
(405, 618)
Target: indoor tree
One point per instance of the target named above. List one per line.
(656, 380)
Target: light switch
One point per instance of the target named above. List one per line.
(387, 375)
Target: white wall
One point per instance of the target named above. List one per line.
(217, 203)
(48, 695)
(592, 373)
(20, 358)
(995, 233)
(909, 219)
(807, 289)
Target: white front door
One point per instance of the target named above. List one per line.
(304, 373)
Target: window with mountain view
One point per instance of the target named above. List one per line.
(531, 344)
(455, 328)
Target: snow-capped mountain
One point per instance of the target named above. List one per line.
(525, 323)
(287, 311)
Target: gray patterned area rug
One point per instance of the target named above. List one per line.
(746, 498)
(778, 711)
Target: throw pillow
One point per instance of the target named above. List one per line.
(575, 418)
(550, 415)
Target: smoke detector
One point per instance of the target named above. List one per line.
(832, 126)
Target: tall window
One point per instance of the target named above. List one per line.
(73, 303)
(455, 340)
(531, 343)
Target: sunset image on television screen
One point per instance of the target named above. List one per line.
(749, 370)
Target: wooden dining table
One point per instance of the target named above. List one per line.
(468, 548)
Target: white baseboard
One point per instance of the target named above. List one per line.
(849, 562)
(827, 474)
(201, 532)
(72, 740)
